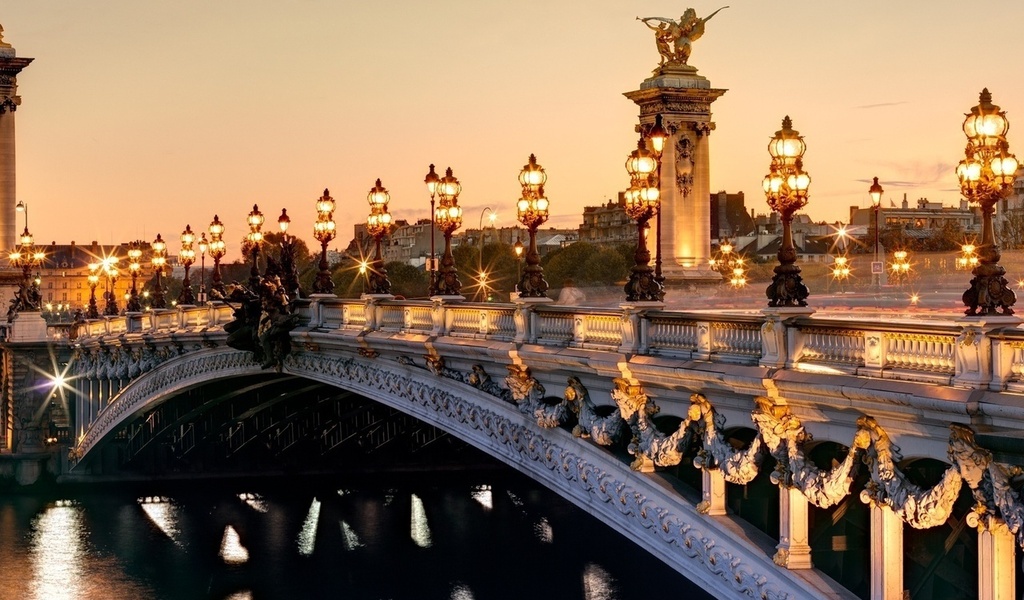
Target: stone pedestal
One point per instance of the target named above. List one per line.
(683, 99)
(28, 326)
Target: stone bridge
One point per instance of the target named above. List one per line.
(751, 451)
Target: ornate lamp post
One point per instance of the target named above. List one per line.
(93, 311)
(642, 202)
(26, 257)
(109, 296)
(432, 180)
(986, 175)
(252, 242)
(217, 250)
(876, 200)
(785, 187)
(532, 211)
(186, 258)
(289, 278)
(481, 274)
(658, 137)
(134, 266)
(378, 224)
(323, 231)
(448, 217)
(204, 245)
(158, 261)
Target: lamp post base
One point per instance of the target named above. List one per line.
(989, 293)
(787, 287)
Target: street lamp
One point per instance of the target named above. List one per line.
(217, 251)
(432, 180)
(289, 278)
(23, 207)
(159, 259)
(26, 257)
(876, 192)
(986, 175)
(204, 245)
(532, 211)
(186, 258)
(134, 266)
(253, 240)
(94, 279)
(785, 189)
(642, 202)
(840, 270)
(323, 230)
(481, 274)
(109, 295)
(658, 137)
(378, 224)
(449, 218)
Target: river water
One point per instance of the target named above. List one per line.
(457, 537)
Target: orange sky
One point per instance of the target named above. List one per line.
(140, 117)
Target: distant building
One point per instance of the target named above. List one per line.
(919, 220)
(64, 275)
(609, 223)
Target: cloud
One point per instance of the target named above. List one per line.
(882, 104)
(914, 174)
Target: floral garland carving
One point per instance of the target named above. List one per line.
(648, 444)
(605, 431)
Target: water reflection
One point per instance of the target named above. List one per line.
(428, 540)
(164, 514)
(597, 583)
(231, 548)
(57, 552)
(482, 494)
(307, 536)
(419, 529)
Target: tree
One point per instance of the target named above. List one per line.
(586, 263)
(1012, 233)
(407, 280)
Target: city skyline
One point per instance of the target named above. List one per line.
(139, 119)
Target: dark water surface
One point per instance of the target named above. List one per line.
(450, 537)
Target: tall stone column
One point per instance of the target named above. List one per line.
(10, 66)
(683, 99)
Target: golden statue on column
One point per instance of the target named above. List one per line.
(674, 38)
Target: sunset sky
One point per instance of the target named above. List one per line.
(140, 117)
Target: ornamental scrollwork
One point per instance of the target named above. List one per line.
(648, 444)
(604, 430)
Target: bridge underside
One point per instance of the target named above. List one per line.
(271, 423)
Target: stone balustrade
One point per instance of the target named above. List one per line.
(975, 353)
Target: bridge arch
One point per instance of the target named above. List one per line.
(645, 509)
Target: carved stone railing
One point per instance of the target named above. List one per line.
(980, 353)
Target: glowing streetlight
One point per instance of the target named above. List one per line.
(378, 224)
(532, 210)
(785, 188)
(986, 175)
(186, 258)
(448, 217)
(643, 200)
(324, 231)
(217, 251)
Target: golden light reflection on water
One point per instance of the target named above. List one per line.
(483, 495)
(597, 583)
(57, 552)
(307, 535)
(164, 514)
(351, 539)
(542, 529)
(231, 548)
(419, 529)
(461, 591)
